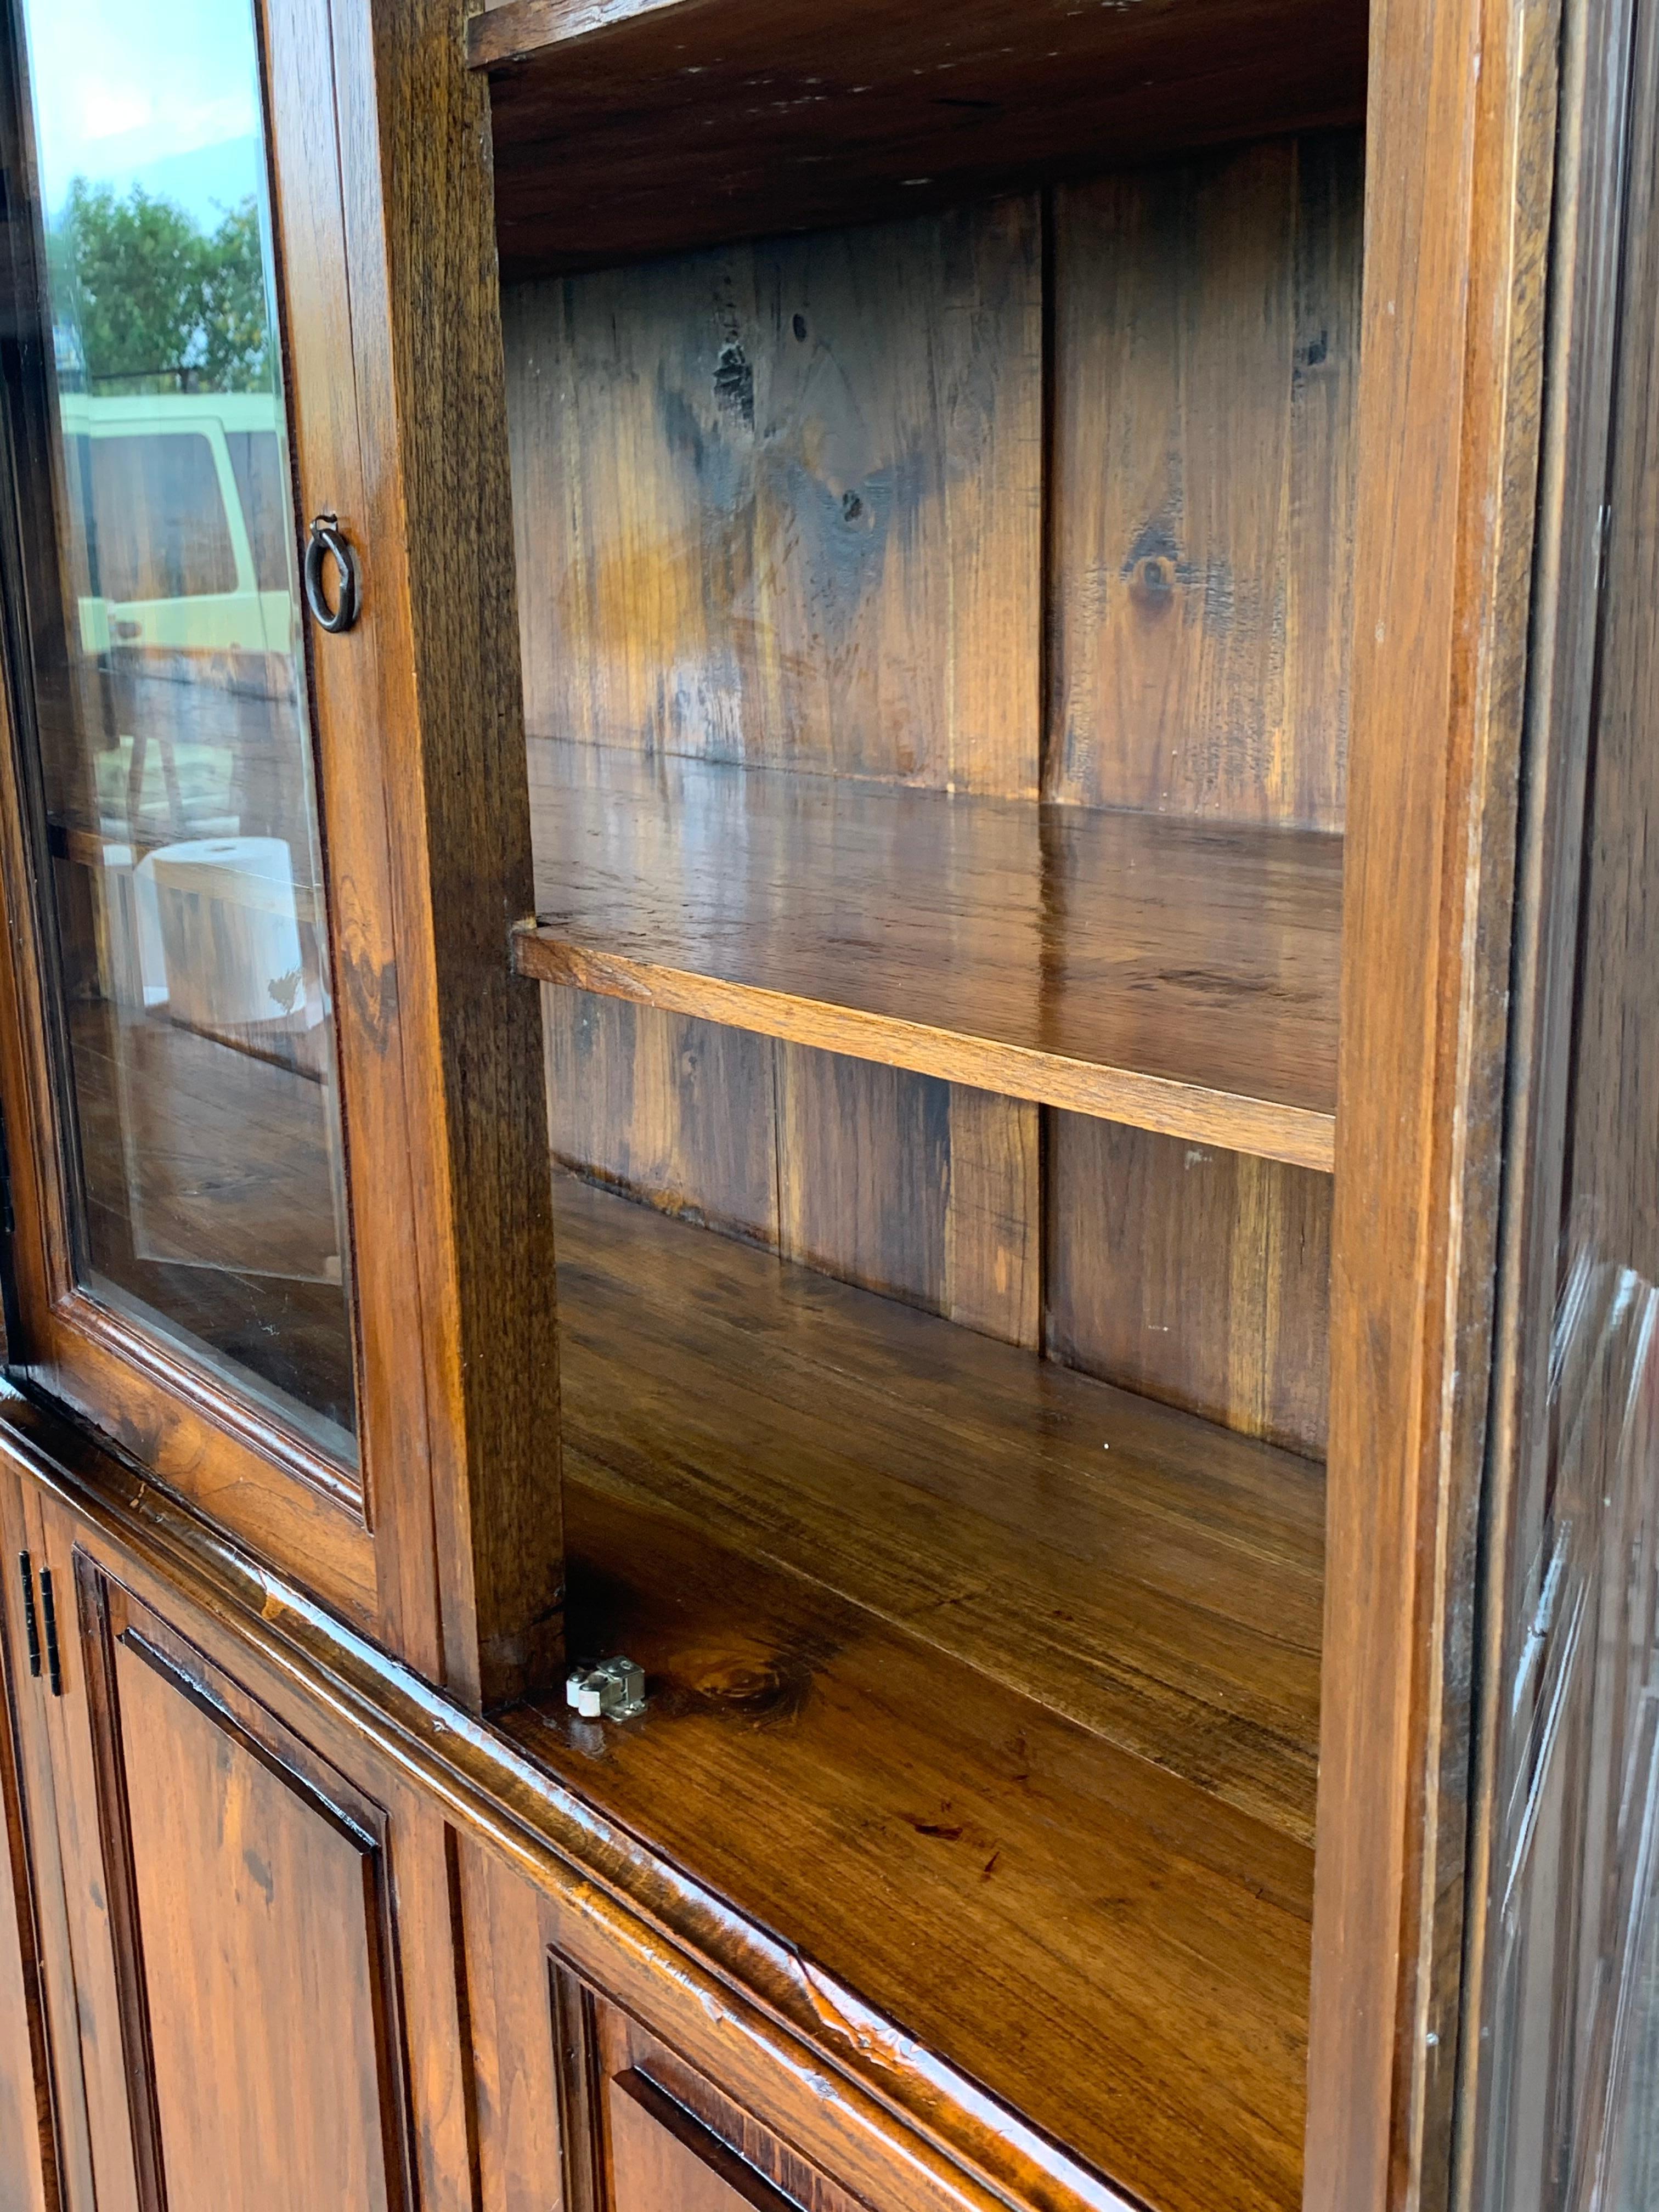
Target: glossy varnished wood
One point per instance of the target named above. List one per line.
(471, 1364)
(380, 200)
(1153, 1578)
(1148, 1940)
(622, 128)
(1452, 347)
(249, 1900)
(1169, 974)
(927, 1191)
(1207, 358)
(1194, 1275)
(261, 1919)
(667, 2135)
(1563, 1874)
(780, 504)
(29, 2169)
(899, 2120)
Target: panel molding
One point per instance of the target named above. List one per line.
(113, 1621)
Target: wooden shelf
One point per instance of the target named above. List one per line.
(624, 127)
(1040, 1713)
(1153, 1578)
(1175, 976)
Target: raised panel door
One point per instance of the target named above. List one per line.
(231, 1905)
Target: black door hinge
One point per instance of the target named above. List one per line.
(31, 1625)
(49, 1615)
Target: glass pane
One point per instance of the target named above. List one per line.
(171, 709)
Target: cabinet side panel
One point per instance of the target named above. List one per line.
(510, 2011)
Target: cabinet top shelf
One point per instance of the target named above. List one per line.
(624, 127)
(1181, 977)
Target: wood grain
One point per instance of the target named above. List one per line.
(718, 2148)
(660, 2154)
(623, 129)
(1195, 1276)
(381, 209)
(68, 2133)
(1173, 975)
(1154, 1578)
(467, 1183)
(511, 2036)
(676, 1112)
(242, 1884)
(1148, 1940)
(780, 504)
(1572, 1766)
(1551, 1845)
(803, 1152)
(898, 2120)
(1452, 342)
(1206, 369)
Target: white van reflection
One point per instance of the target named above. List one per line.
(202, 851)
(187, 609)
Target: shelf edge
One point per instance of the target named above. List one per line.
(518, 30)
(1300, 1136)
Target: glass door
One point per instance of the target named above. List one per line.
(276, 1146)
(159, 610)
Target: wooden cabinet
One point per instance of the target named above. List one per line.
(829, 877)
(231, 2012)
(622, 2087)
(248, 1018)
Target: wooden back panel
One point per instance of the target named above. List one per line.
(853, 504)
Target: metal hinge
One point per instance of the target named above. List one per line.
(31, 1623)
(49, 1617)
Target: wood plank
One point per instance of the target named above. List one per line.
(688, 120)
(1206, 369)
(806, 1152)
(1155, 1578)
(780, 504)
(1172, 975)
(1148, 1943)
(1192, 1275)
(922, 1190)
(676, 1112)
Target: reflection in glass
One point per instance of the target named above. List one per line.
(171, 707)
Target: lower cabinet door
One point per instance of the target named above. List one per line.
(665, 2136)
(583, 2105)
(245, 2041)
(250, 1913)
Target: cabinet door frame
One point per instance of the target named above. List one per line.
(226, 1667)
(377, 144)
(109, 1614)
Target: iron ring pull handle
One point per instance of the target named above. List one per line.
(326, 540)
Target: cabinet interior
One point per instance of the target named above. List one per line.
(933, 545)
